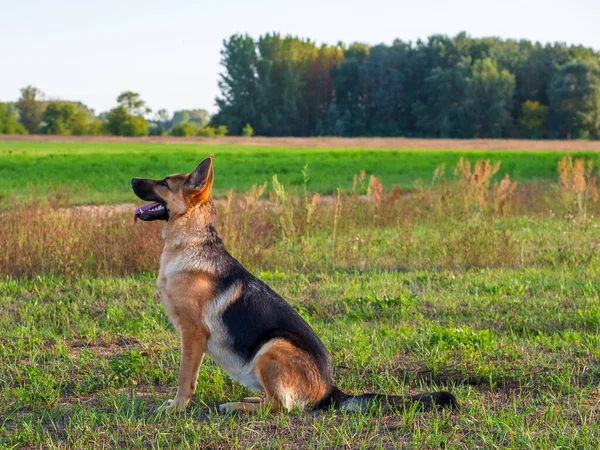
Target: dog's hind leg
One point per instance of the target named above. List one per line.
(288, 376)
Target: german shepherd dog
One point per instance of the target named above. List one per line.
(222, 310)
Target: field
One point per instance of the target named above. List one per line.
(100, 172)
(461, 281)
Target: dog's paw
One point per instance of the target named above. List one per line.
(172, 405)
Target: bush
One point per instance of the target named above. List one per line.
(248, 131)
(221, 131)
(183, 129)
(157, 129)
(135, 126)
(96, 128)
(63, 118)
(122, 123)
(8, 121)
(533, 119)
(206, 131)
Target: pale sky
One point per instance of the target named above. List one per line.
(168, 51)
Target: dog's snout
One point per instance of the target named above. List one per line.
(134, 182)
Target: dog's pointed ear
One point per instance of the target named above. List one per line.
(202, 177)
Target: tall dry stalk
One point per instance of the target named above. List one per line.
(578, 182)
(375, 190)
(375, 194)
(286, 211)
(438, 174)
(359, 180)
(475, 183)
(504, 191)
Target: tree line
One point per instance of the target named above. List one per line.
(444, 87)
(32, 114)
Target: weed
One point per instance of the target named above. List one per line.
(578, 183)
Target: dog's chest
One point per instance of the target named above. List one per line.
(169, 303)
(175, 293)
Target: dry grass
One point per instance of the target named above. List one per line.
(475, 184)
(332, 142)
(40, 239)
(462, 222)
(578, 183)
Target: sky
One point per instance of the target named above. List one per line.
(169, 51)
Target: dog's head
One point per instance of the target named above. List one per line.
(174, 195)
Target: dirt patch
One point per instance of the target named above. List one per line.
(331, 142)
(107, 350)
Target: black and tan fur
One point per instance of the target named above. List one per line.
(222, 310)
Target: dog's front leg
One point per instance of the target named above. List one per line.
(193, 346)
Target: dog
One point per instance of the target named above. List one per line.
(221, 309)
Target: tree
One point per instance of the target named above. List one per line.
(121, 123)
(279, 86)
(534, 75)
(162, 116)
(133, 103)
(575, 101)
(238, 83)
(183, 129)
(441, 87)
(283, 85)
(491, 92)
(221, 131)
(199, 117)
(207, 131)
(318, 85)
(30, 108)
(350, 93)
(445, 110)
(97, 127)
(8, 121)
(389, 94)
(248, 131)
(160, 123)
(64, 118)
(532, 121)
(127, 119)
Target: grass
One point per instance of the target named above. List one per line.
(87, 363)
(101, 172)
(478, 286)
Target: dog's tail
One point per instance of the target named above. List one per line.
(387, 403)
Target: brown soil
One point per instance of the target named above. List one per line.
(329, 142)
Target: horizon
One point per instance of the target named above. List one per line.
(64, 48)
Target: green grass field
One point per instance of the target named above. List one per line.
(86, 364)
(498, 302)
(101, 172)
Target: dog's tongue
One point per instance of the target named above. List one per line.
(143, 209)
